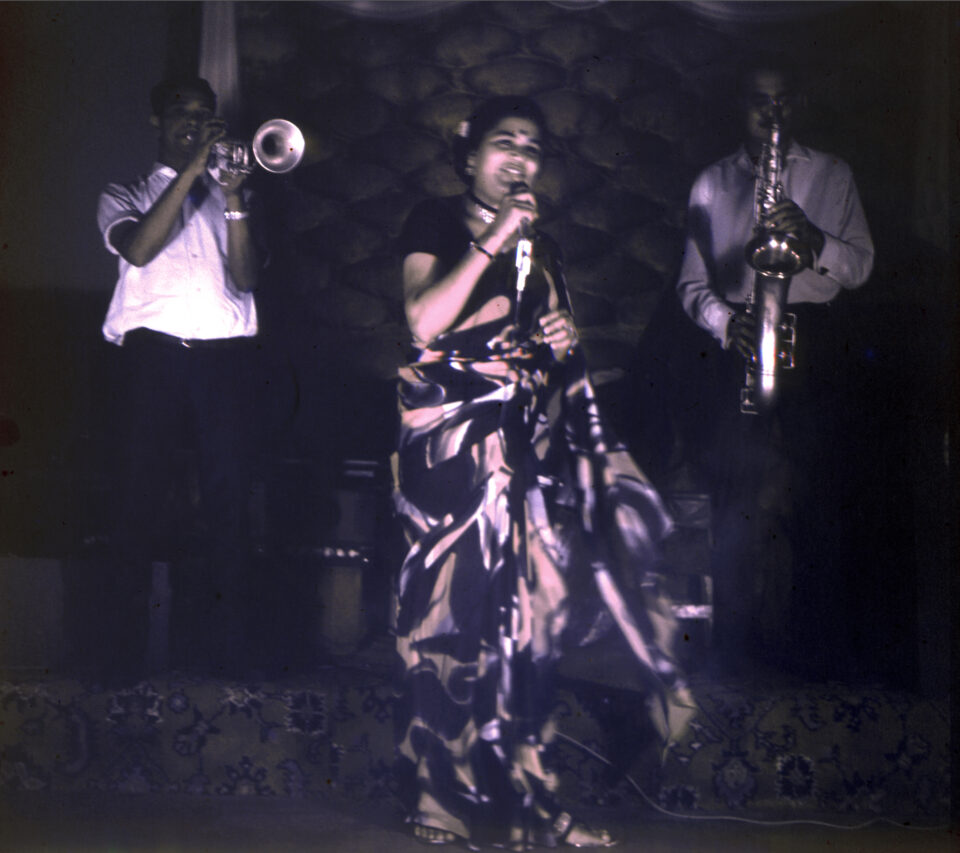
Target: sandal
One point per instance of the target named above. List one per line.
(575, 833)
(432, 835)
(516, 844)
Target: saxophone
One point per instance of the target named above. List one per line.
(776, 257)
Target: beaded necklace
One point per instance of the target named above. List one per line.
(486, 213)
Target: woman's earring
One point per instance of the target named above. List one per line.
(469, 170)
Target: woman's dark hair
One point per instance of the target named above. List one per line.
(485, 117)
(168, 91)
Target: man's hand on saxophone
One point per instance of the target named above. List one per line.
(742, 333)
(787, 216)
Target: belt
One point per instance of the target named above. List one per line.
(806, 312)
(142, 334)
(823, 308)
(812, 307)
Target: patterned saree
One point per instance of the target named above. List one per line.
(526, 522)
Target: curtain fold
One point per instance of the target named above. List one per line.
(218, 62)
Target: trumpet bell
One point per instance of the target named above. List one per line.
(278, 146)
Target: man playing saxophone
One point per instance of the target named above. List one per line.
(770, 475)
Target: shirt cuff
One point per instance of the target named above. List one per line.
(716, 318)
(828, 261)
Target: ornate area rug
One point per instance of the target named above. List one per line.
(752, 750)
(776, 753)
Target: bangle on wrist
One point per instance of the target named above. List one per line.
(232, 215)
(475, 245)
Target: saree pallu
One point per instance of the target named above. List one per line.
(526, 522)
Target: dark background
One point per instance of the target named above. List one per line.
(637, 95)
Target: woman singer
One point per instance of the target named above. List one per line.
(524, 518)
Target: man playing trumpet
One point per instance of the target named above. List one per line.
(184, 321)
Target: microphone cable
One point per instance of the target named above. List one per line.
(751, 821)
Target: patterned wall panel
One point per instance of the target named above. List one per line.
(379, 101)
(636, 99)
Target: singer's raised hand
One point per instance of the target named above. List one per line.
(559, 332)
(515, 216)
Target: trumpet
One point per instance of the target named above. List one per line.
(277, 146)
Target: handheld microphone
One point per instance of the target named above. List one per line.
(525, 229)
(524, 252)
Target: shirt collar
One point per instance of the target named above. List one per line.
(795, 152)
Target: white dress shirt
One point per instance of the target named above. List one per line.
(715, 275)
(186, 290)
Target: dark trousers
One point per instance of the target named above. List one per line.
(171, 397)
(781, 490)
